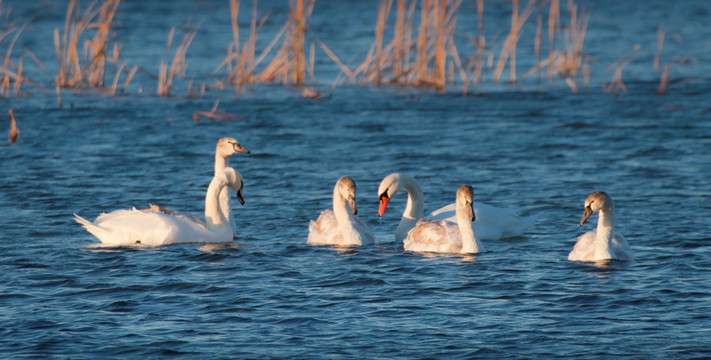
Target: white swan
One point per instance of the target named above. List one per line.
(602, 243)
(414, 209)
(491, 223)
(447, 237)
(153, 228)
(340, 226)
(225, 148)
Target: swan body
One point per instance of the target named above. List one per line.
(442, 236)
(340, 226)
(603, 243)
(151, 227)
(491, 223)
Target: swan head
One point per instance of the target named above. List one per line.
(389, 186)
(346, 188)
(227, 146)
(599, 200)
(465, 201)
(232, 178)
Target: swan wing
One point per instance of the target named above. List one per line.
(365, 235)
(433, 236)
(492, 223)
(621, 248)
(324, 231)
(447, 213)
(185, 216)
(584, 249)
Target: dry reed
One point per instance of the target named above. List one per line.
(72, 72)
(178, 64)
(213, 114)
(9, 71)
(13, 131)
(663, 80)
(571, 60)
(476, 62)
(660, 45)
(289, 63)
(240, 62)
(433, 47)
(508, 51)
(616, 85)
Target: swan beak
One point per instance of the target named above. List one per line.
(239, 148)
(384, 200)
(586, 214)
(470, 212)
(352, 203)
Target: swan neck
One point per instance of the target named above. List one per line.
(344, 218)
(215, 217)
(221, 162)
(414, 209)
(470, 244)
(605, 232)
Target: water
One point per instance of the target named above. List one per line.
(535, 149)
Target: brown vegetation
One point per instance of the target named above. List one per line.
(213, 114)
(178, 64)
(72, 71)
(289, 63)
(13, 132)
(413, 45)
(414, 60)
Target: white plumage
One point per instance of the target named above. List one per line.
(603, 243)
(155, 226)
(442, 236)
(340, 226)
(491, 223)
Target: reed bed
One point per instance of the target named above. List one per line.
(419, 60)
(415, 44)
(11, 73)
(89, 68)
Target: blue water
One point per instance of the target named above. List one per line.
(537, 149)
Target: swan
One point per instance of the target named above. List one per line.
(153, 228)
(340, 226)
(225, 148)
(603, 243)
(491, 223)
(414, 209)
(443, 236)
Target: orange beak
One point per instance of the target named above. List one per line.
(384, 199)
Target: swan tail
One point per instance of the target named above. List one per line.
(99, 232)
